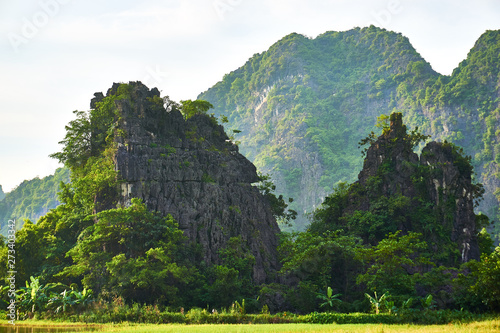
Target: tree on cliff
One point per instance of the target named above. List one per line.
(189, 108)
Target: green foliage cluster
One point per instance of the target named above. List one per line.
(36, 298)
(483, 281)
(398, 274)
(342, 264)
(130, 252)
(190, 108)
(439, 317)
(389, 264)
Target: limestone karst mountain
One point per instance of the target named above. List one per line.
(191, 170)
(437, 187)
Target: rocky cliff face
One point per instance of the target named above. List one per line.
(191, 170)
(394, 153)
(451, 188)
(440, 178)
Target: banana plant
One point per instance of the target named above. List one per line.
(428, 302)
(68, 299)
(83, 297)
(329, 299)
(407, 304)
(65, 300)
(390, 306)
(34, 296)
(376, 301)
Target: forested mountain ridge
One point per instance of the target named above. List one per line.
(303, 105)
(31, 199)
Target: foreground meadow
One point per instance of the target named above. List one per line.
(490, 326)
(483, 326)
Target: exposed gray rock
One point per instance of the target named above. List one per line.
(391, 149)
(191, 170)
(452, 186)
(446, 176)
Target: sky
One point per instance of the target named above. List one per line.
(55, 54)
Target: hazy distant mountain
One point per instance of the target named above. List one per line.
(31, 199)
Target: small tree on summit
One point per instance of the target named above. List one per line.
(189, 108)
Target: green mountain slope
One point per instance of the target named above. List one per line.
(303, 106)
(31, 199)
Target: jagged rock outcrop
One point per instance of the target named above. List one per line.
(392, 151)
(438, 181)
(191, 170)
(451, 188)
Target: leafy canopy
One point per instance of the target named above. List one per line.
(190, 108)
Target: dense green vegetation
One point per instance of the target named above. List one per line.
(91, 260)
(31, 199)
(303, 105)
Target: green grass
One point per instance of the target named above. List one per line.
(490, 326)
(484, 326)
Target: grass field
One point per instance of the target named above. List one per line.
(479, 327)
(491, 326)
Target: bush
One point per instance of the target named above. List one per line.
(116, 312)
(347, 318)
(198, 316)
(440, 317)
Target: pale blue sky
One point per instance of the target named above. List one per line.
(54, 54)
